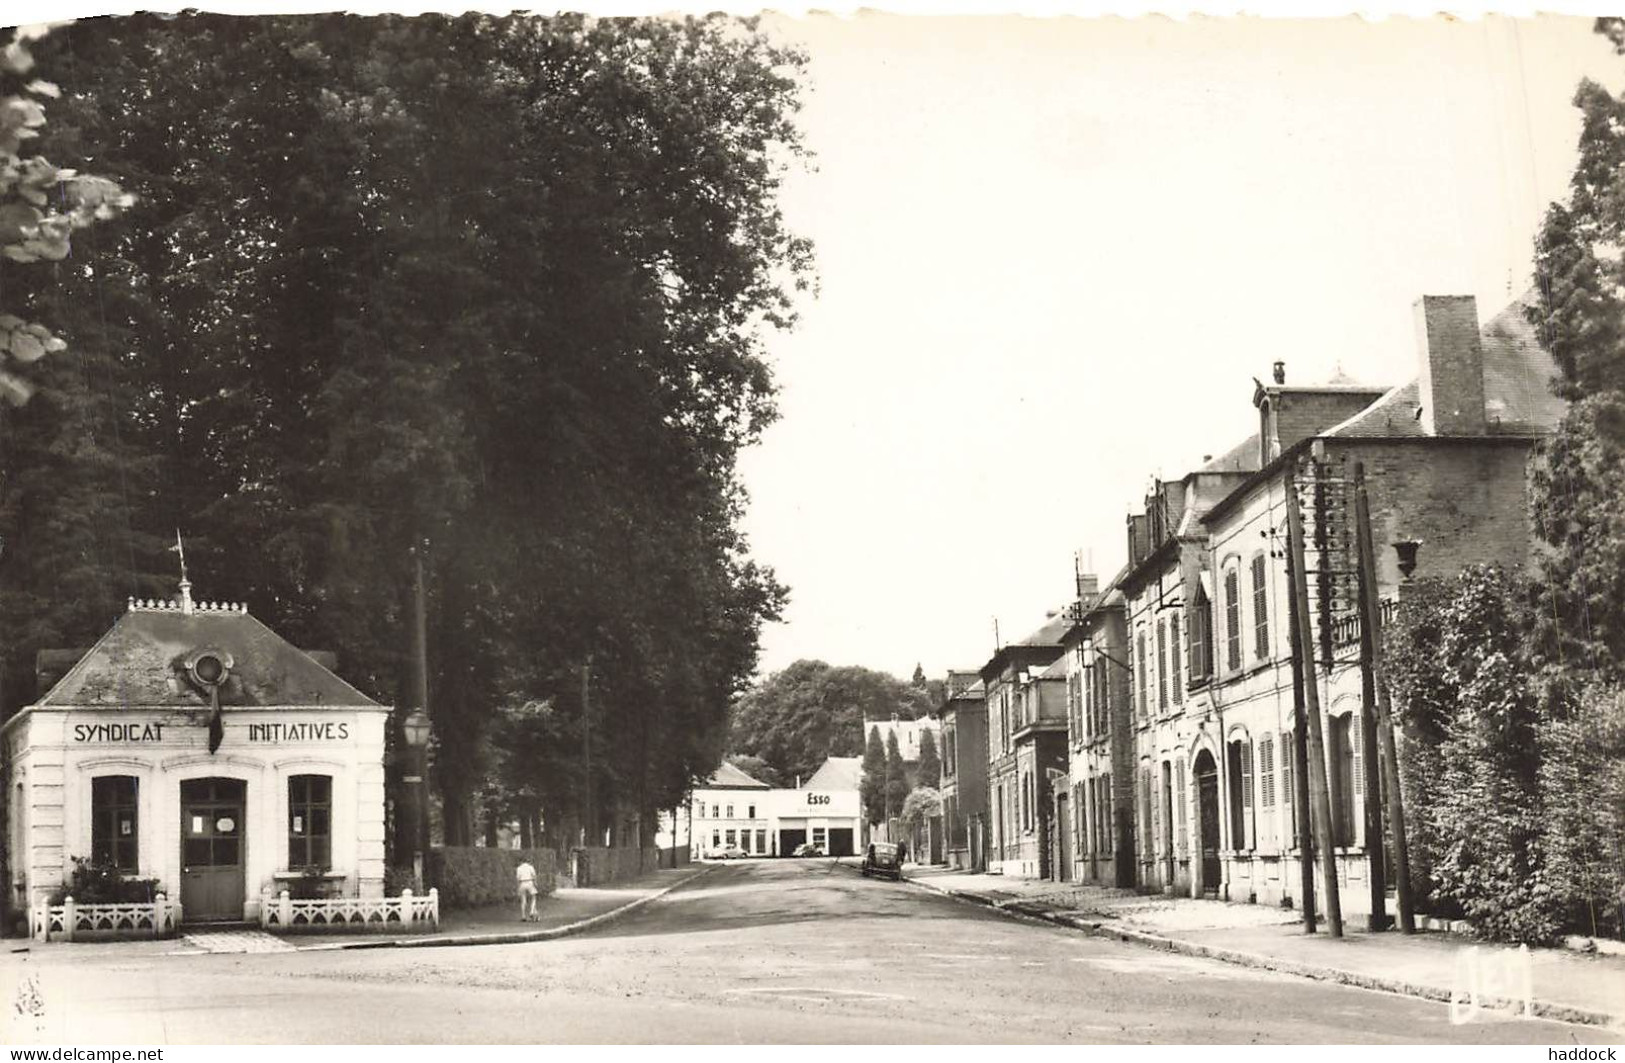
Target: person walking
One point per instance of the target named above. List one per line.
(526, 875)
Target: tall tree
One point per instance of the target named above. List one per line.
(1578, 486)
(872, 789)
(897, 785)
(496, 285)
(929, 769)
(813, 710)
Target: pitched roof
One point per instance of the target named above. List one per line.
(1243, 457)
(728, 777)
(836, 773)
(140, 662)
(1518, 397)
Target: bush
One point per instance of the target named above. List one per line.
(399, 878)
(471, 877)
(1582, 785)
(93, 883)
(311, 885)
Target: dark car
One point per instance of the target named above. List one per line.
(807, 849)
(883, 858)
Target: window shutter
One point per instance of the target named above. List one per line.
(1174, 655)
(1289, 795)
(1261, 620)
(1247, 793)
(1162, 665)
(1357, 813)
(1179, 772)
(1232, 620)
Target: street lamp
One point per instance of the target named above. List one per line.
(1406, 550)
(415, 729)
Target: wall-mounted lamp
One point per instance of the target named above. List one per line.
(1406, 549)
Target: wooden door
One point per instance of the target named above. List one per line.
(212, 850)
(1207, 797)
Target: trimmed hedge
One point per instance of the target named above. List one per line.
(471, 877)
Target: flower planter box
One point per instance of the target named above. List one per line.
(70, 921)
(407, 913)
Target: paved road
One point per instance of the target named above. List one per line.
(788, 951)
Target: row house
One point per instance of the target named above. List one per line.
(1025, 684)
(1197, 741)
(964, 770)
(1099, 734)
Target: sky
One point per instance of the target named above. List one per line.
(1053, 253)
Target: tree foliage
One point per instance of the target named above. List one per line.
(872, 788)
(897, 783)
(1514, 775)
(496, 285)
(922, 803)
(1577, 488)
(41, 205)
(811, 710)
(929, 769)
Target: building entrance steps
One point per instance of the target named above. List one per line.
(1556, 983)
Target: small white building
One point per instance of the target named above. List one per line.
(734, 809)
(195, 746)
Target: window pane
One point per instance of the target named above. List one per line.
(226, 852)
(195, 852)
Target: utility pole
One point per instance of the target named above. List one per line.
(417, 780)
(1376, 722)
(1300, 753)
(1370, 615)
(1321, 797)
(589, 814)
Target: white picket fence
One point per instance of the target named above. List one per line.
(69, 919)
(407, 912)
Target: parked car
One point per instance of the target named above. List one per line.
(808, 849)
(883, 858)
(729, 852)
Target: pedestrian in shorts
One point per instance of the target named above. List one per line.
(527, 892)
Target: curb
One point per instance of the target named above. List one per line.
(510, 938)
(1539, 1008)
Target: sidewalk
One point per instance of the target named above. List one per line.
(563, 912)
(1565, 985)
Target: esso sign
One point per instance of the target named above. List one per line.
(818, 799)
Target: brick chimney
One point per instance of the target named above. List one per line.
(1452, 369)
(1139, 537)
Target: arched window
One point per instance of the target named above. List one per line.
(114, 834)
(310, 821)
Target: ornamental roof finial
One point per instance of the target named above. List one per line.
(186, 584)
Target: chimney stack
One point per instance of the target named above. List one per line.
(1452, 365)
(1280, 372)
